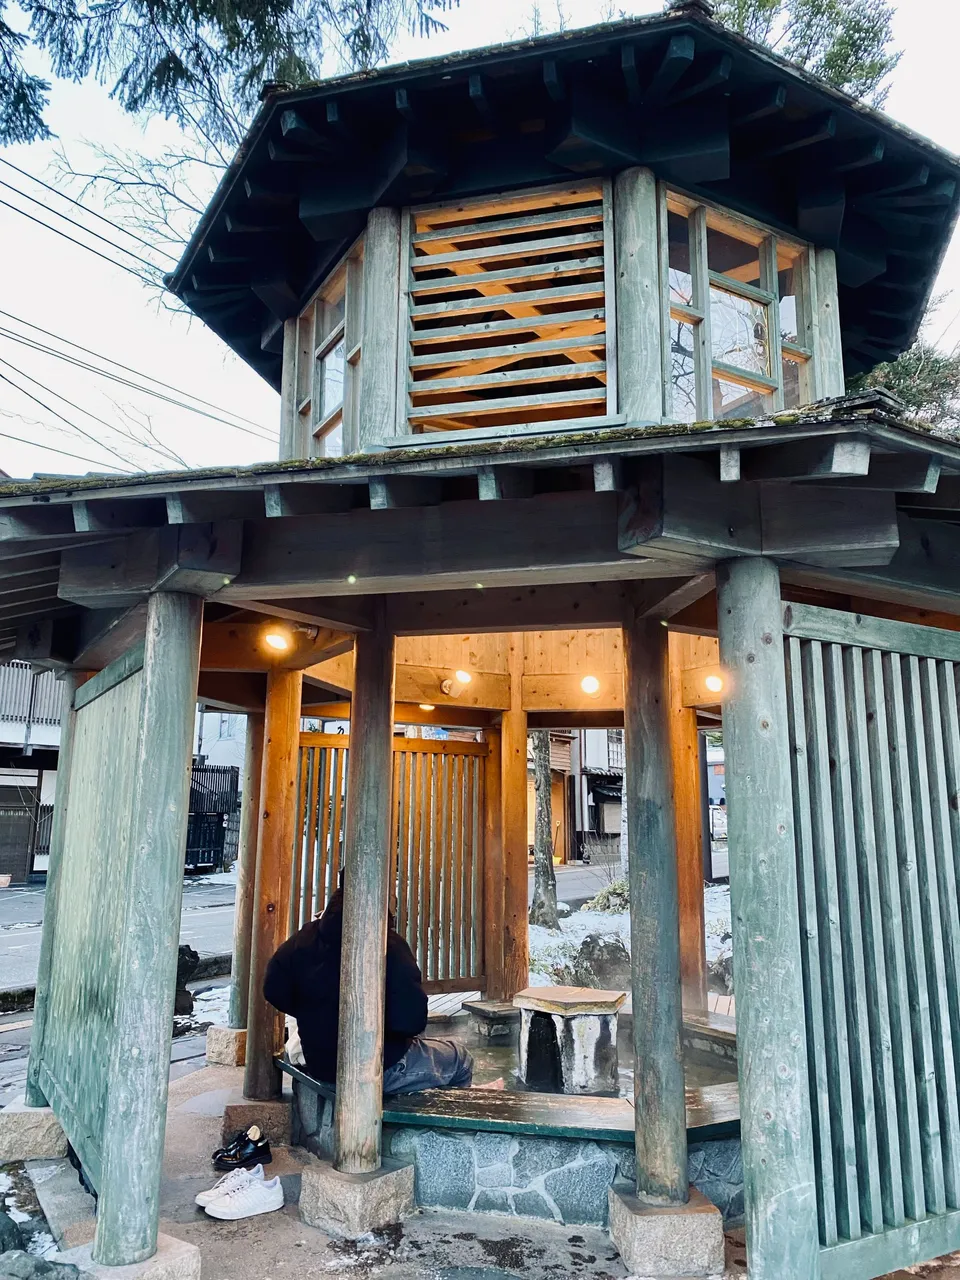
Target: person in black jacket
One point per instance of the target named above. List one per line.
(303, 980)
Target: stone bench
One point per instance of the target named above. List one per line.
(536, 1155)
(568, 1039)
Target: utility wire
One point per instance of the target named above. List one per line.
(33, 345)
(73, 240)
(92, 212)
(74, 223)
(79, 408)
(127, 369)
(34, 444)
(56, 413)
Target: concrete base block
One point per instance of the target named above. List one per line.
(351, 1204)
(30, 1133)
(174, 1260)
(272, 1116)
(226, 1047)
(679, 1240)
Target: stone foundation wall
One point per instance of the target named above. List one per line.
(560, 1179)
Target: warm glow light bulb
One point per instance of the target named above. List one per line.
(277, 640)
(464, 677)
(427, 706)
(590, 684)
(713, 683)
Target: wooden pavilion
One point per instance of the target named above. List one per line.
(560, 331)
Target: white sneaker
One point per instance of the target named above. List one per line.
(235, 1178)
(248, 1198)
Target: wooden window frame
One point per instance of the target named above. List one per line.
(700, 214)
(312, 347)
(532, 194)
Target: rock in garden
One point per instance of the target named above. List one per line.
(18, 1265)
(10, 1237)
(188, 962)
(602, 962)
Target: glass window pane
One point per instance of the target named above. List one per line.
(734, 256)
(333, 307)
(683, 380)
(331, 444)
(730, 400)
(331, 381)
(681, 281)
(738, 331)
(788, 282)
(791, 385)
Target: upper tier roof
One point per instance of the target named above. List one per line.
(706, 109)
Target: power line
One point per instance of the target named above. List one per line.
(33, 345)
(56, 413)
(74, 223)
(93, 213)
(34, 444)
(127, 369)
(74, 240)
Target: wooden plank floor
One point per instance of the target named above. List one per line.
(726, 1005)
(446, 1003)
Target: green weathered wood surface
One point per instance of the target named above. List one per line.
(357, 1115)
(638, 303)
(139, 1041)
(941, 689)
(51, 905)
(810, 943)
(930, 1237)
(835, 627)
(661, 1140)
(125, 666)
(874, 943)
(776, 1125)
(829, 346)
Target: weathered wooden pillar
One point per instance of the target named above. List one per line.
(136, 1099)
(68, 717)
(661, 1120)
(359, 1106)
(278, 792)
(381, 321)
(639, 301)
(513, 830)
(775, 1119)
(493, 868)
(246, 872)
(688, 822)
(826, 331)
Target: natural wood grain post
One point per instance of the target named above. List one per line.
(246, 872)
(775, 1119)
(278, 811)
(513, 829)
(381, 321)
(661, 1120)
(68, 717)
(359, 1107)
(493, 868)
(292, 444)
(829, 346)
(638, 299)
(688, 823)
(135, 1108)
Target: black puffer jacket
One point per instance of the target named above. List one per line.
(303, 980)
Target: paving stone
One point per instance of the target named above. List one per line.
(492, 1148)
(580, 1191)
(538, 1156)
(17, 1265)
(531, 1204)
(495, 1175)
(445, 1170)
(492, 1202)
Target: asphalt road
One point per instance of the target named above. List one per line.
(207, 919)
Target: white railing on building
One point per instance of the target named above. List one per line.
(26, 696)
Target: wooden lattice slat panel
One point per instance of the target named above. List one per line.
(509, 310)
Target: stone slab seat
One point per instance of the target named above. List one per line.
(713, 1112)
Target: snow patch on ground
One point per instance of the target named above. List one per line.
(716, 911)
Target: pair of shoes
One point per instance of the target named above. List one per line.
(242, 1193)
(247, 1148)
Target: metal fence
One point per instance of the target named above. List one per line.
(29, 696)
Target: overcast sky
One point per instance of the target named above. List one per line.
(48, 282)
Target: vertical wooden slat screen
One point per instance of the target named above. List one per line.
(436, 875)
(875, 734)
(507, 309)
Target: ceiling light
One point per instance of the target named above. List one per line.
(590, 685)
(455, 685)
(277, 640)
(351, 578)
(714, 683)
(427, 706)
(463, 676)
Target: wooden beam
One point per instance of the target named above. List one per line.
(107, 516)
(135, 1107)
(513, 830)
(899, 473)
(415, 684)
(807, 460)
(497, 483)
(693, 688)
(240, 646)
(205, 507)
(493, 874)
(822, 526)
(104, 634)
(679, 506)
(562, 693)
(278, 786)
(381, 320)
(342, 613)
(359, 1106)
(661, 1126)
(775, 1123)
(242, 692)
(688, 824)
(404, 491)
(246, 873)
(280, 501)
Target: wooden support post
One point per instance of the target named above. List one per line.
(246, 872)
(640, 374)
(493, 867)
(829, 348)
(381, 320)
(688, 823)
(660, 1107)
(68, 717)
(278, 793)
(359, 1107)
(513, 829)
(135, 1107)
(775, 1119)
(292, 444)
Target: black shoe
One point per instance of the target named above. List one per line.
(248, 1148)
